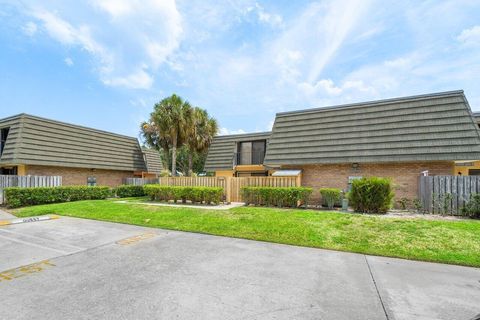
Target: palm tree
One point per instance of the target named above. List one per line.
(199, 132)
(168, 126)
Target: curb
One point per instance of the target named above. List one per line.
(28, 219)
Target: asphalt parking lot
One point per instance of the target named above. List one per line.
(71, 268)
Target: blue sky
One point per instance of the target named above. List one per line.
(104, 63)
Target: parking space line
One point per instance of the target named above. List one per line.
(35, 238)
(22, 271)
(34, 244)
(135, 239)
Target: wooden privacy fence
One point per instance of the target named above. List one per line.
(234, 193)
(180, 181)
(27, 182)
(231, 185)
(447, 194)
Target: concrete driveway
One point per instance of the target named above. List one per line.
(82, 269)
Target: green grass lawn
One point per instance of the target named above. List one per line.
(455, 242)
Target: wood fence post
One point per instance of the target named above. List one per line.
(228, 189)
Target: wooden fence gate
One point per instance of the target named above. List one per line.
(27, 182)
(232, 186)
(447, 194)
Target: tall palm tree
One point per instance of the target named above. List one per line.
(200, 131)
(168, 125)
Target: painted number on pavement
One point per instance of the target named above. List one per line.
(25, 270)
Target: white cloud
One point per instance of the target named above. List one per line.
(139, 102)
(128, 46)
(272, 19)
(115, 8)
(225, 131)
(326, 87)
(317, 34)
(470, 36)
(270, 125)
(337, 24)
(136, 80)
(30, 29)
(68, 61)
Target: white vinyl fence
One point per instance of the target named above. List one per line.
(27, 182)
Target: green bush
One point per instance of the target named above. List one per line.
(371, 195)
(404, 203)
(276, 196)
(126, 191)
(472, 207)
(19, 197)
(194, 194)
(331, 196)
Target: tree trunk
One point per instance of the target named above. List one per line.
(174, 156)
(190, 163)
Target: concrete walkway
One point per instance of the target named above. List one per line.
(85, 269)
(5, 215)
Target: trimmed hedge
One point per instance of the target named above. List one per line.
(194, 194)
(371, 195)
(19, 197)
(331, 197)
(126, 191)
(276, 196)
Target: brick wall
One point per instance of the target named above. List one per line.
(404, 175)
(78, 176)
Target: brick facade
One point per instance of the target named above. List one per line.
(404, 175)
(78, 176)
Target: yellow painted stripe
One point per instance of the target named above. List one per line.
(136, 239)
(25, 270)
(28, 219)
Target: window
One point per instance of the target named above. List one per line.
(252, 174)
(474, 172)
(9, 171)
(91, 181)
(245, 153)
(350, 180)
(251, 152)
(3, 138)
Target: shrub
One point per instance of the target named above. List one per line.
(472, 207)
(371, 195)
(417, 204)
(194, 194)
(126, 191)
(404, 203)
(331, 196)
(164, 173)
(19, 197)
(276, 196)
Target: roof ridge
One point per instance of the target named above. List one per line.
(26, 115)
(375, 102)
(242, 134)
